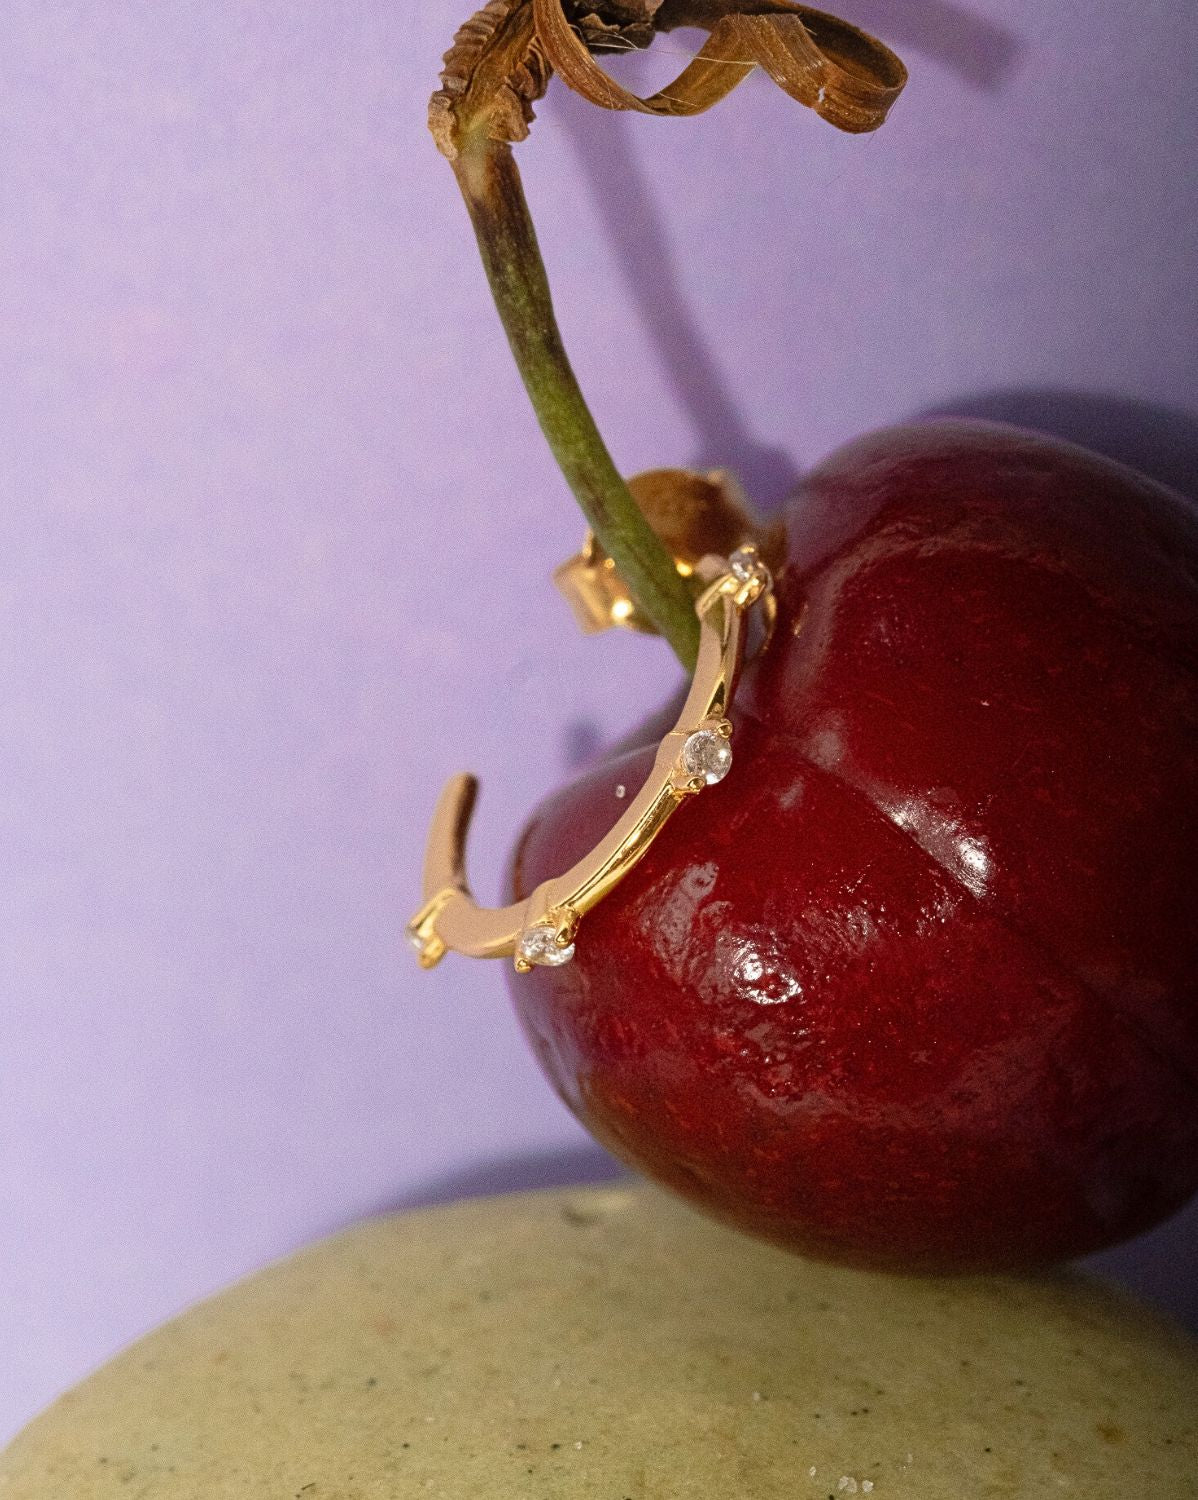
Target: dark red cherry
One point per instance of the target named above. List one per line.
(914, 986)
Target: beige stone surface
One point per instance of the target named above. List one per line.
(611, 1345)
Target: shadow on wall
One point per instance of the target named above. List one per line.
(632, 222)
(1156, 440)
(979, 51)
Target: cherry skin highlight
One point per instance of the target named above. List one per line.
(914, 986)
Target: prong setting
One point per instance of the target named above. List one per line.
(548, 944)
(748, 574)
(706, 755)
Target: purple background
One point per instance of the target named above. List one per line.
(276, 529)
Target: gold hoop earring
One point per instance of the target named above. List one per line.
(696, 753)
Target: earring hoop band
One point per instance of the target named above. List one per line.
(696, 753)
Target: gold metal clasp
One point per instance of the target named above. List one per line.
(695, 515)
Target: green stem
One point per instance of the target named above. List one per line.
(490, 183)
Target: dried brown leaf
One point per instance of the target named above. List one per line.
(502, 59)
(494, 73)
(845, 75)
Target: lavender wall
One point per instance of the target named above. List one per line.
(276, 529)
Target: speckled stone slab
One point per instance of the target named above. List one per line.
(608, 1344)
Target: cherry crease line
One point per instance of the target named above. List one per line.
(1008, 923)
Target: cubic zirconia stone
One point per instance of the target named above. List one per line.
(708, 754)
(745, 565)
(539, 946)
(414, 939)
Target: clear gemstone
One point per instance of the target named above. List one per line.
(745, 565)
(708, 754)
(539, 945)
(415, 939)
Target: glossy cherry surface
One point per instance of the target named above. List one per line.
(915, 985)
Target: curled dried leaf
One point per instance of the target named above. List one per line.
(502, 59)
(848, 77)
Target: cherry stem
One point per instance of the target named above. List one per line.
(490, 182)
